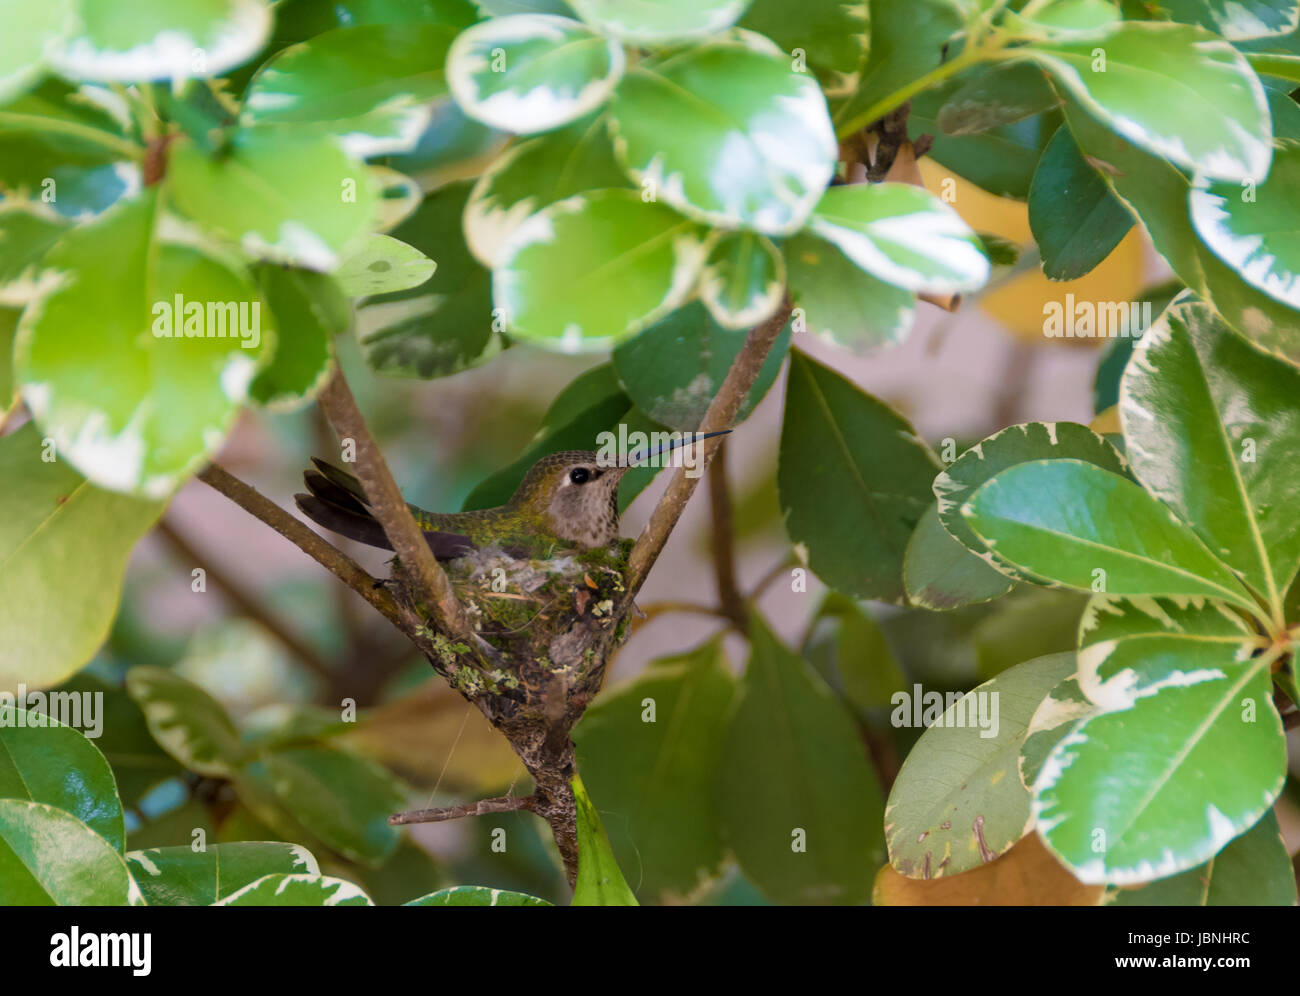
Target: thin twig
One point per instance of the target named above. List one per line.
(501, 804)
(333, 560)
(723, 542)
(248, 604)
(773, 575)
(432, 588)
(720, 415)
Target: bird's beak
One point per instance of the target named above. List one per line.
(640, 456)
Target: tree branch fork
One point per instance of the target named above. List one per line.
(425, 608)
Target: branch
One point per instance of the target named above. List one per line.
(721, 415)
(246, 603)
(431, 587)
(730, 601)
(333, 560)
(501, 804)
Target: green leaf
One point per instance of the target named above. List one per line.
(534, 174)
(1031, 622)
(45, 761)
(849, 649)
(370, 85)
(853, 481)
(1081, 526)
(138, 763)
(958, 801)
(283, 195)
(445, 324)
(594, 269)
(63, 543)
(798, 799)
(1000, 94)
(738, 102)
(1212, 429)
(532, 72)
(1253, 870)
(297, 890)
(1158, 194)
(50, 858)
(132, 401)
(834, 35)
(1013, 445)
(476, 895)
(940, 573)
(181, 876)
(343, 799)
(1001, 160)
(743, 280)
(1067, 18)
(186, 721)
(1075, 218)
(908, 40)
(382, 265)
(672, 370)
(135, 40)
(8, 327)
(1219, 126)
(657, 23)
(298, 20)
(591, 404)
(600, 882)
(30, 29)
(1256, 231)
(1237, 20)
(902, 234)
(1186, 754)
(309, 310)
(650, 750)
(842, 304)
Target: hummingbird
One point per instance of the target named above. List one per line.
(566, 500)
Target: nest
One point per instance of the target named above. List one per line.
(553, 622)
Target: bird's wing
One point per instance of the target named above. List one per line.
(338, 503)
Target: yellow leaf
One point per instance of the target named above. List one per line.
(1027, 875)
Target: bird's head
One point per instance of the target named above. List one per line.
(577, 491)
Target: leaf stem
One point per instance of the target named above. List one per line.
(972, 55)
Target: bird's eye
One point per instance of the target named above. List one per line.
(579, 475)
